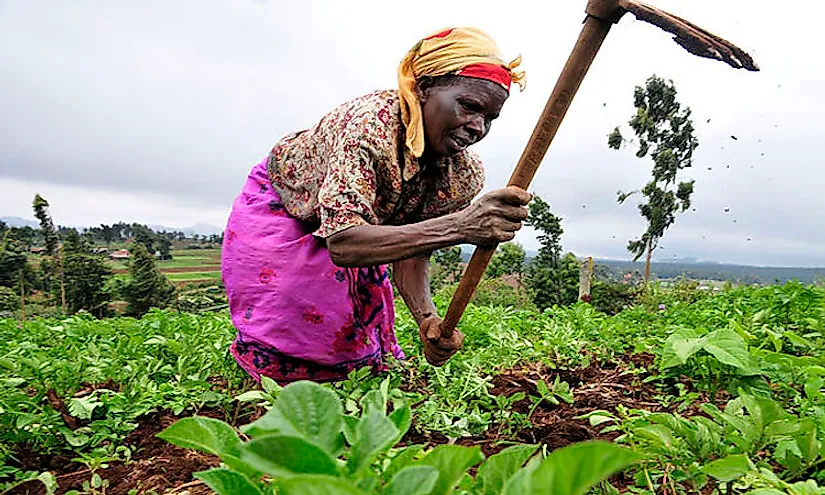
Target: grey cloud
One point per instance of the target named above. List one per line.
(180, 99)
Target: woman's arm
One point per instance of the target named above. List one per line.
(494, 218)
(412, 278)
(369, 245)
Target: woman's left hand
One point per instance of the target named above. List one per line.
(438, 349)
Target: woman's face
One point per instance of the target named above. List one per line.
(459, 113)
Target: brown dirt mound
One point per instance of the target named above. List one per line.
(155, 465)
(163, 468)
(600, 386)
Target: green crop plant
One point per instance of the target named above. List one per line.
(306, 445)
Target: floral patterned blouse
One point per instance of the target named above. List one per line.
(353, 169)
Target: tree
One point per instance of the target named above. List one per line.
(86, 275)
(41, 212)
(3, 228)
(27, 235)
(63, 231)
(12, 260)
(508, 260)
(148, 287)
(165, 247)
(446, 268)
(665, 132)
(123, 230)
(9, 300)
(110, 234)
(13, 264)
(144, 235)
(551, 279)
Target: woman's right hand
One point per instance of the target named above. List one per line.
(495, 217)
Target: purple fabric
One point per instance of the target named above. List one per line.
(298, 315)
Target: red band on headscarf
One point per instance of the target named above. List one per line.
(442, 34)
(490, 72)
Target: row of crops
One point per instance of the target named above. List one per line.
(683, 393)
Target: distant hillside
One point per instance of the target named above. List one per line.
(20, 222)
(704, 270)
(200, 228)
(719, 271)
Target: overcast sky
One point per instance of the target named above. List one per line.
(154, 111)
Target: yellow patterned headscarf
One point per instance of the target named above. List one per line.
(448, 52)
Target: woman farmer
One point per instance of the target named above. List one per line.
(385, 178)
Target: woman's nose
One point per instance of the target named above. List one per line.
(476, 125)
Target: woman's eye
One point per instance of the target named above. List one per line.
(471, 107)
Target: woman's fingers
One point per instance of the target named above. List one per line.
(511, 196)
(508, 225)
(515, 213)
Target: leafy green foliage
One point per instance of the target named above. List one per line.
(595, 461)
(498, 469)
(310, 460)
(551, 278)
(446, 267)
(756, 353)
(145, 237)
(725, 345)
(494, 292)
(12, 261)
(227, 482)
(9, 299)
(41, 212)
(148, 287)
(613, 297)
(85, 275)
(508, 260)
(163, 361)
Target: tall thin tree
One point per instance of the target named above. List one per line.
(665, 132)
(41, 212)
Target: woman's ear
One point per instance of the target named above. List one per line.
(422, 88)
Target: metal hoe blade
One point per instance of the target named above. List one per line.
(691, 37)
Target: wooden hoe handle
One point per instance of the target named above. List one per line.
(601, 16)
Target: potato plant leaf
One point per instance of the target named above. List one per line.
(228, 482)
(498, 469)
(285, 456)
(451, 461)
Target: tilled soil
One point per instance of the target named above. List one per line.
(159, 467)
(156, 465)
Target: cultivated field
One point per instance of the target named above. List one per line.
(711, 393)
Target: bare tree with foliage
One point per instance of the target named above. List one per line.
(665, 132)
(41, 212)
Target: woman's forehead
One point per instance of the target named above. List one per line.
(486, 91)
(479, 87)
